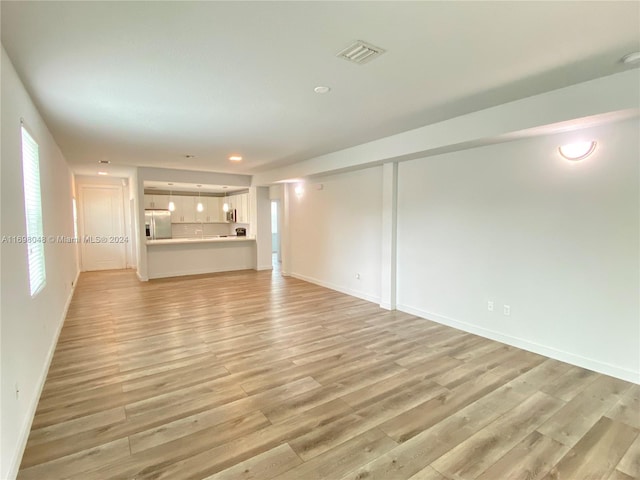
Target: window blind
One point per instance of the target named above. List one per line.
(33, 213)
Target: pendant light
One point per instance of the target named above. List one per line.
(225, 205)
(199, 207)
(172, 206)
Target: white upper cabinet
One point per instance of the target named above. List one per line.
(213, 209)
(185, 211)
(161, 202)
(189, 209)
(241, 204)
(157, 202)
(186, 207)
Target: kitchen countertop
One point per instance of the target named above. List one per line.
(211, 239)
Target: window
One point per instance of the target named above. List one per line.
(33, 213)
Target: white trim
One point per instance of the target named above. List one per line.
(31, 413)
(264, 267)
(561, 355)
(348, 291)
(387, 306)
(141, 278)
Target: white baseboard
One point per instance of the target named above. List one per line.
(348, 291)
(26, 428)
(141, 278)
(561, 355)
(264, 267)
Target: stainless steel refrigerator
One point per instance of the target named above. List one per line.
(157, 224)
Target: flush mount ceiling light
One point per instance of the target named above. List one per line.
(322, 89)
(103, 173)
(577, 151)
(631, 58)
(235, 158)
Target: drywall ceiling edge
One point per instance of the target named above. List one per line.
(606, 95)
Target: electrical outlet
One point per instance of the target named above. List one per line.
(506, 310)
(490, 305)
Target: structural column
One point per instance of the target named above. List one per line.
(260, 220)
(388, 262)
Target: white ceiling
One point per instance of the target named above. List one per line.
(144, 83)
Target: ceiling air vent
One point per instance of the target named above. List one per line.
(360, 52)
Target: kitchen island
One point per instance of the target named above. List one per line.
(174, 257)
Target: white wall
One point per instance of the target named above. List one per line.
(335, 233)
(517, 224)
(30, 326)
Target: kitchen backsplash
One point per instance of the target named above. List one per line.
(190, 230)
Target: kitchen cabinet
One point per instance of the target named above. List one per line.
(161, 202)
(156, 202)
(186, 207)
(241, 204)
(189, 209)
(185, 211)
(213, 209)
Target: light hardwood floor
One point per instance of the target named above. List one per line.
(251, 375)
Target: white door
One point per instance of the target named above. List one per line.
(103, 241)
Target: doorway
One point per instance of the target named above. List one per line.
(275, 233)
(103, 240)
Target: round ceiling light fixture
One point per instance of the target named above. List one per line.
(577, 151)
(631, 58)
(235, 158)
(322, 89)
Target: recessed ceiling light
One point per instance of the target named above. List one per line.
(235, 158)
(322, 89)
(631, 58)
(225, 187)
(103, 173)
(169, 184)
(188, 155)
(104, 162)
